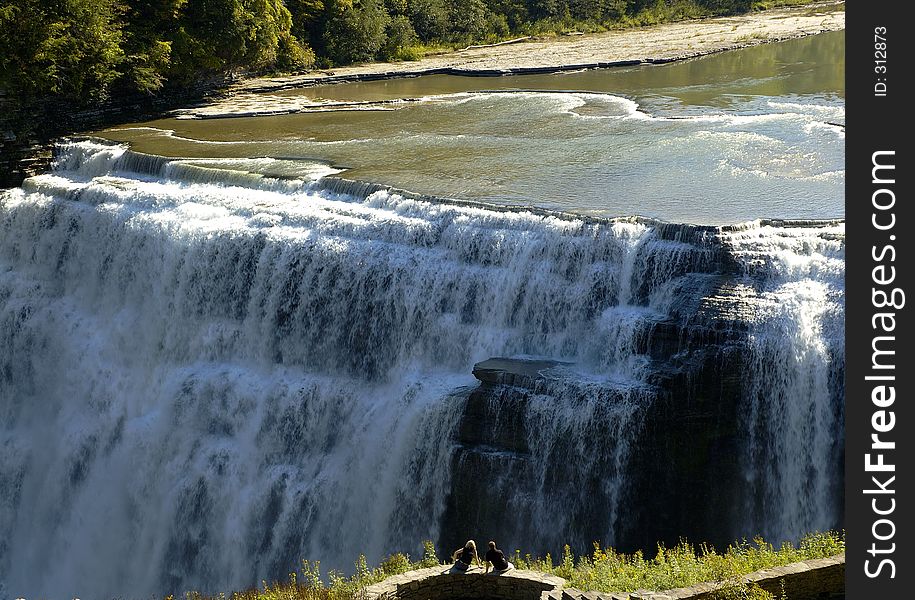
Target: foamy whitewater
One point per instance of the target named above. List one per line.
(208, 375)
(599, 153)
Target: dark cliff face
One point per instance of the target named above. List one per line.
(663, 461)
(679, 476)
(29, 127)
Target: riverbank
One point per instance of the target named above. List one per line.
(27, 132)
(645, 45)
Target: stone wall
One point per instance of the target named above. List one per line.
(440, 583)
(806, 580)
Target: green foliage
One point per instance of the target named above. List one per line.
(497, 26)
(68, 48)
(683, 565)
(355, 30)
(146, 69)
(149, 26)
(513, 12)
(81, 51)
(396, 7)
(293, 55)
(429, 19)
(468, 19)
(399, 39)
(218, 35)
(740, 591)
(430, 559)
(543, 9)
(307, 19)
(84, 51)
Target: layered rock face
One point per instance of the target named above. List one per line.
(679, 475)
(676, 454)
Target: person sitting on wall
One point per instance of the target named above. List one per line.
(465, 557)
(496, 558)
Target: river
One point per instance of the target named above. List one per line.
(740, 135)
(217, 364)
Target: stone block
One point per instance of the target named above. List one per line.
(571, 594)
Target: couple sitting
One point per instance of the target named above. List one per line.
(466, 556)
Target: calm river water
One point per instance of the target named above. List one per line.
(745, 134)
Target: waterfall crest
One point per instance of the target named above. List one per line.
(207, 374)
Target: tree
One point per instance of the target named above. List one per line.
(399, 37)
(429, 19)
(308, 19)
(355, 30)
(218, 35)
(149, 27)
(468, 18)
(68, 48)
(396, 7)
(726, 6)
(596, 10)
(514, 12)
(543, 9)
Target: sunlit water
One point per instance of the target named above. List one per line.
(721, 139)
(209, 375)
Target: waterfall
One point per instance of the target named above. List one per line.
(793, 400)
(207, 375)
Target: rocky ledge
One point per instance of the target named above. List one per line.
(516, 371)
(805, 580)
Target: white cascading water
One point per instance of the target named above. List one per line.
(580, 435)
(795, 385)
(207, 375)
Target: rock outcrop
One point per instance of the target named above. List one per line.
(679, 474)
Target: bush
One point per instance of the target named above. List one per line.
(740, 591)
(683, 565)
(543, 9)
(396, 7)
(497, 26)
(395, 564)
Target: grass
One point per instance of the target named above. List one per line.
(310, 584)
(604, 570)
